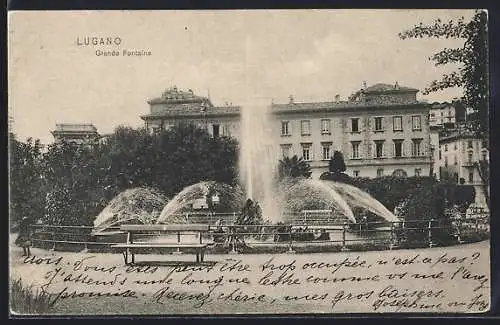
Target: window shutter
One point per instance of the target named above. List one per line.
(366, 123)
(393, 149)
(410, 152)
(403, 151)
(370, 150)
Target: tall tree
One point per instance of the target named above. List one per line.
(337, 164)
(472, 59)
(26, 182)
(293, 167)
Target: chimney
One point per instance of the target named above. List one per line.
(337, 98)
(364, 84)
(396, 86)
(290, 99)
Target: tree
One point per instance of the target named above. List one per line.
(187, 154)
(337, 164)
(293, 167)
(472, 74)
(26, 182)
(483, 167)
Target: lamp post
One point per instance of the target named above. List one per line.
(215, 199)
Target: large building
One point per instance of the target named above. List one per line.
(381, 130)
(75, 133)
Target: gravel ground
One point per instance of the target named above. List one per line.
(33, 274)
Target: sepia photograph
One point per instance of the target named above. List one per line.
(222, 162)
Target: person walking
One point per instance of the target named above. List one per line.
(24, 238)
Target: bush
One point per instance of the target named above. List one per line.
(26, 301)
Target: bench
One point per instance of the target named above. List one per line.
(130, 246)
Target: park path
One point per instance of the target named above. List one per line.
(36, 275)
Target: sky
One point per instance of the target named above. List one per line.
(242, 57)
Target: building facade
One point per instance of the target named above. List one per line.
(75, 133)
(381, 130)
(459, 153)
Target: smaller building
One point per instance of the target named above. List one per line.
(459, 154)
(176, 105)
(446, 115)
(75, 133)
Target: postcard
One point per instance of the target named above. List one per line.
(244, 162)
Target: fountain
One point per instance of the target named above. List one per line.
(231, 199)
(258, 159)
(304, 194)
(356, 197)
(139, 204)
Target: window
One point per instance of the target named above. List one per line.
(326, 150)
(325, 126)
(225, 131)
(355, 149)
(469, 157)
(433, 114)
(307, 152)
(285, 150)
(379, 149)
(305, 127)
(416, 147)
(445, 148)
(378, 124)
(397, 123)
(446, 161)
(440, 155)
(455, 160)
(483, 144)
(355, 173)
(471, 176)
(285, 128)
(398, 148)
(469, 144)
(380, 172)
(455, 146)
(485, 155)
(355, 125)
(216, 130)
(416, 122)
(418, 171)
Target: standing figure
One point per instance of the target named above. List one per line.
(24, 238)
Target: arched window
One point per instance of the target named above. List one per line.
(399, 173)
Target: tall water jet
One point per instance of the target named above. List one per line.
(258, 159)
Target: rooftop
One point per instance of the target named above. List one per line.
(175, 96)
(386, 88)
(178, 103)
(75, 127)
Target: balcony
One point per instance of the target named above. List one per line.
(468, 164)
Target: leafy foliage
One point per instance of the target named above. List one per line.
(337, 164)
(27, 185)
(27, 301)
(71, 184)
(472, 74)
(293, 167)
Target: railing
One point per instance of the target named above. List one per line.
(317, 217)
(343, 236)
